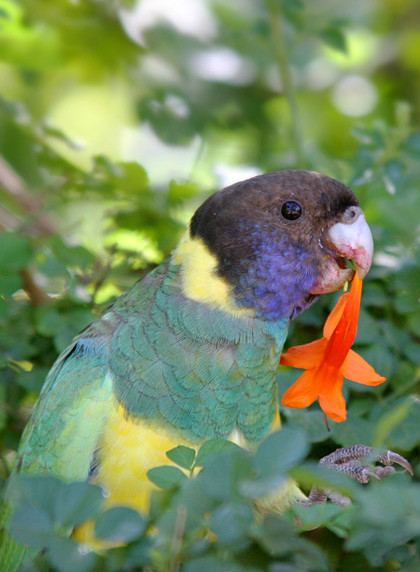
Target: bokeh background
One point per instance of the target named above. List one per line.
(117, 119)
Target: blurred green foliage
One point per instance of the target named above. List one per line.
(116, 120)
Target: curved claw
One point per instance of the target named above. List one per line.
(389, 458)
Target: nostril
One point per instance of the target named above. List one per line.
(351, 214)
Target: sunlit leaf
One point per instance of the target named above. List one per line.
(166, 477)
(120, 524)
(182, 456)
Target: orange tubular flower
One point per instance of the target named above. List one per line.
(329, 360)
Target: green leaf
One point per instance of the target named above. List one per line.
(9, 283)
(179, 192)
(48, 320)
(412, 145)
(182, 456)
(389, 420)
(312, 422)
(66, 504)
(317, 515)
(38, 491)
(393, 175)
(194, 498)
(70, 255)
(408, 283)
(382, 361)
(354, 430)
(406, 434)
(215, 564)
(224, 473)
(15, 251)
(77, 502)
(276, 455)
(276, 535)
(334, 38)
(395, 500)
(211, 448)
(280, 451)
(32, 380)
(120, 524)
(231, 522)
(279, 538)
(32, 526)
(131, 178)
(138, 554)
(166, 477)
(293, 11)
(310, 556)
(3, 414)
(67, 556)
(260, 486)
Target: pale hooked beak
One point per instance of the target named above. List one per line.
(351, 239)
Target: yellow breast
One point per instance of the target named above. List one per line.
(128, 449)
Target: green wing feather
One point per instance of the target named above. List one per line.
(63, 431)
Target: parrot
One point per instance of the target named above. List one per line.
(190, 352)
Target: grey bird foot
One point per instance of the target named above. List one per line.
(356, 462)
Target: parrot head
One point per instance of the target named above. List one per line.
(283, 238)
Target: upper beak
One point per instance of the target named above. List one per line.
(353, 240)
(349, 239)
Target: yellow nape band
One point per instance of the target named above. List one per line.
(200, 280)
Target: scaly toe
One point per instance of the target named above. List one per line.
(382, 472)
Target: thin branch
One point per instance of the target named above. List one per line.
(177, 538)
(286, 79)
(15, 187)
(7, 220)
(36, 295)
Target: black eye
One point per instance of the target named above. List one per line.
(291, 210)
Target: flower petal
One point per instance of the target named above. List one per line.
(333, 403)
(307, 356)
(328, 360)
(303, 392)
(343, 336)
(357, 369)
(335, 316)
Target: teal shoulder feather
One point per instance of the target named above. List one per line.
(192, 367)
